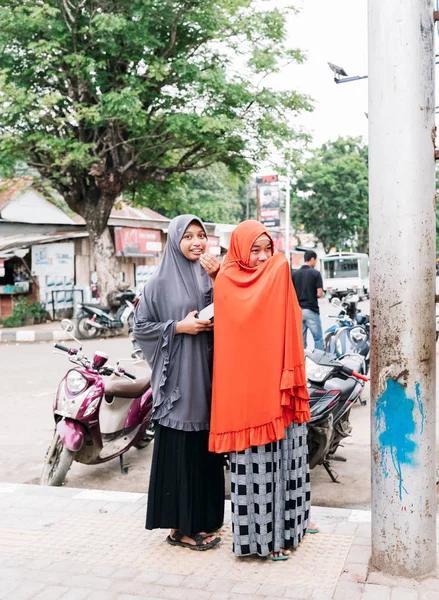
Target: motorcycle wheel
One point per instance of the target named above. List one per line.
(312, 450)
(84, 331)
(130, 322)
(54, 473)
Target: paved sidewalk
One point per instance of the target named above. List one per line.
(45, 332)
(77, 544)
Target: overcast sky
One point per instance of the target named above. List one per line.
(334, 31)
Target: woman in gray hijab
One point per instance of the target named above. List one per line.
(186, 490)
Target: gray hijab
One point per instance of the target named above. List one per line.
(181, 364)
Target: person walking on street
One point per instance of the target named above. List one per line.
(309, 288)
(186, 490)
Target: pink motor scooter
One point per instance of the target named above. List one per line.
(100, 412)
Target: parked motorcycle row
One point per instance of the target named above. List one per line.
(93, 320)
(101, 411)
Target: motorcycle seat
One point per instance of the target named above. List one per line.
(127, 388)
(106, 309)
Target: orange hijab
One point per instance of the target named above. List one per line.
(259, 380)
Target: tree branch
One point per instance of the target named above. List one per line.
(173, 38)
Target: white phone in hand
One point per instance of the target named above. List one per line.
(206, 313)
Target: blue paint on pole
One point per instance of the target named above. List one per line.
(420, 405)
(396, 425)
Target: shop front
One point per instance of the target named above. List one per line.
(15, 280)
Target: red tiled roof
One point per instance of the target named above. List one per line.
(123, 210)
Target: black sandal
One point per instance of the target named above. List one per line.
(198, 546)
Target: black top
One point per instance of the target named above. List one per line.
(307, 281)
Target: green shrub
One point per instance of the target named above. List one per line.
(12, 322)
(38, 311)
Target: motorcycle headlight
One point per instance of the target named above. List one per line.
(76, 382)
(357, 335)
(315, 372)
(92, 406)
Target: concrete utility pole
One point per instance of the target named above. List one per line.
(402, 253)
(288, 215)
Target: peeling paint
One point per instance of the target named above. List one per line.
(396, 425)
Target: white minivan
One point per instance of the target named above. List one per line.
(345, 272)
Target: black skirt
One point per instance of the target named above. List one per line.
(186, 487)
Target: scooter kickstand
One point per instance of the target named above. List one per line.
(123, 467)
(332, 474)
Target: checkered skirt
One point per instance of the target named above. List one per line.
(271, 494)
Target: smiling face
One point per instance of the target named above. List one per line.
(261, 251)
(194, 241)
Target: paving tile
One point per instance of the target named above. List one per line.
(376, 592)
(246, 587)
(428, 595)
(359, 554)
(346, 528)
(197, 581)
(53, 592)
(321, 595)
(228, 596)
(102, 595)
(78, 594)
(7, 587)
(26, 591)
(148, 577)
(430, 583)
(354, 572)
(219, 585)
(271, 589)
(298, 592)
(399, 593)
(177, 593)
(348, 591)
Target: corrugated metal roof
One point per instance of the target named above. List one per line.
(121, 210)
(15, 242)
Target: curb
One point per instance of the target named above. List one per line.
(28, 335)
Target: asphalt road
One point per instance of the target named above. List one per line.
(31, 373)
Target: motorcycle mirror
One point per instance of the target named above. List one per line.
(335, 302)
(68, 327)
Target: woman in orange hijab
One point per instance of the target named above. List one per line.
(260, 402)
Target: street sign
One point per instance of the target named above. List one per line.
(136, 241)
(270, 217)
(267, 179)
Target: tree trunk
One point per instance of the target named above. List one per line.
(107, 268)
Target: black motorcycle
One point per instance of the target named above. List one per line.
(334, 386)
(350, 333)
(93, 320)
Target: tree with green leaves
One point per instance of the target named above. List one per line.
(215, 194)
(104, 97)
(330, 196)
